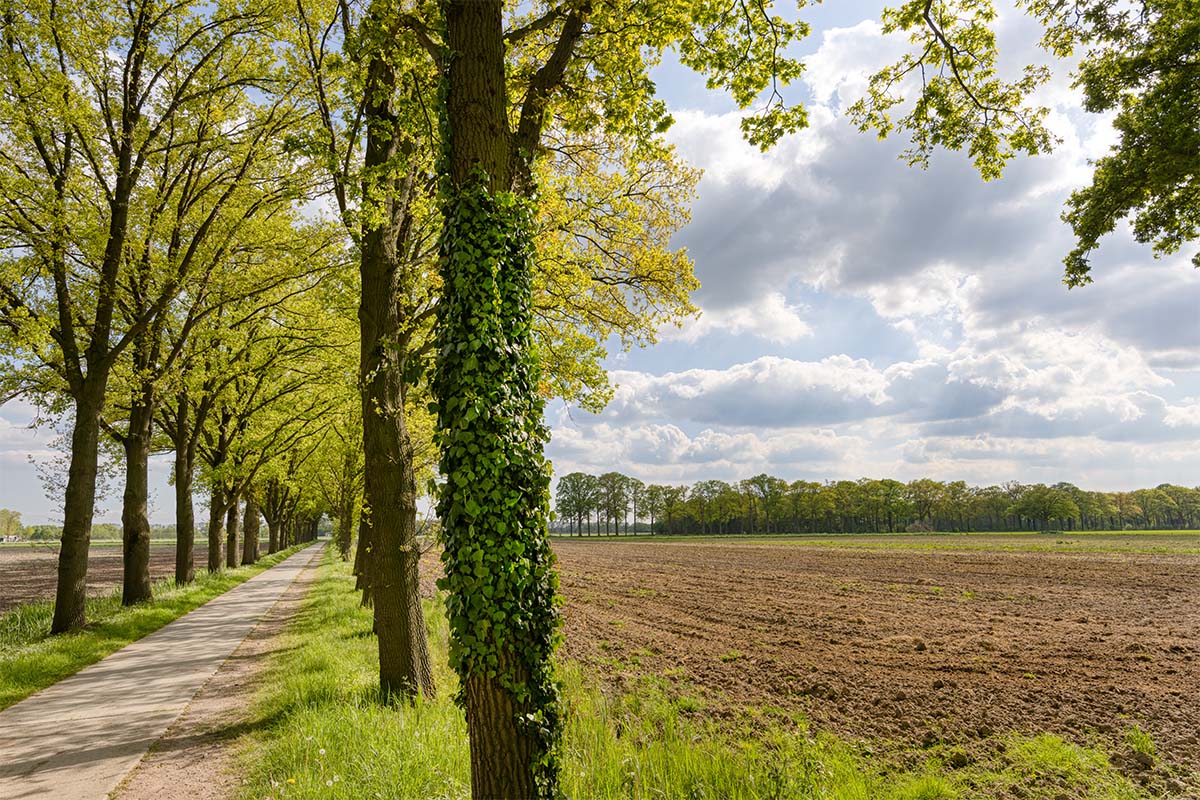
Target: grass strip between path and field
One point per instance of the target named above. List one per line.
(318, 731)
(31, 659)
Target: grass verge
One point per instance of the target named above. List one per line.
(1182, 542)
(318, 731)
(31, 659)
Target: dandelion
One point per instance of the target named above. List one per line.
(322, 751)
(329, 783)
(291, 780)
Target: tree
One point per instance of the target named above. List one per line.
(271, 405)
(925, 496)
(1157, 506)
(770, 493)
(1042, 504)
(250, 534)
(91, 94)
(573, 500)
(673, 498)
(1141, 63)
(614, 500)
(892, 499)
(10, 523)
(635, 490)
(703, 499)
(484, 316)
(222, 209)
(605, 269)
(654, 502)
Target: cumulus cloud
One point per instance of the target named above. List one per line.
(1013, 376)
(665, 453)
(767, 392)
(772, 319)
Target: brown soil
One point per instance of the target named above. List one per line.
(196, 758)
(29, 573)
(913, 647)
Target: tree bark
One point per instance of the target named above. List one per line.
(363, 561)
(135, 522)
(512, 756)
(250, 533)
(80, 505)
(216, 525)
(500, 764)
(231, 534)
(185, 514)
(390, 481)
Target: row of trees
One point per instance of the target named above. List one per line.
(222, 238)
(615, 503)
(500, 205)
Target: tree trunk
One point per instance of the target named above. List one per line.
(231, 534)
(363, 561)
(250, 533)
(390, 480)
(135, 522)
(486, 386)
(80, 505)
(500, 765)
(345, 523)
(216, 522)
(185, 514)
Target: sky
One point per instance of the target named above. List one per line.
(861, 317)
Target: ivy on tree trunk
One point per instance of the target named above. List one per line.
(494, 505)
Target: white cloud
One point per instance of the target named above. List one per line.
(772, 319)
(767, 392)
(1185, 415)
(993, 370)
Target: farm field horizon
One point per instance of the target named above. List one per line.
(29, 567)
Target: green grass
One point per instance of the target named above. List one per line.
(1174, 541)
(1041, 767)
(1141, 744)
(31, 659)
(318, 731)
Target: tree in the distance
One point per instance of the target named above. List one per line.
(10, 523)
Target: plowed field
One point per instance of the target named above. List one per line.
(29, 573)
(914, 646)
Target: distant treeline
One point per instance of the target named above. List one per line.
(107, 531)
(615, 503)
(101, 531)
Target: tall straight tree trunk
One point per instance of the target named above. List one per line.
(491, 434)
(231, 533)
(272, 535)
(185, 514)
(390, 480)
(250, 533)
(70, 600)
(135, 522)
(362, 560)
(216, 526)
(80, 504)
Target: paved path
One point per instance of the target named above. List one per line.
(77, 739)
